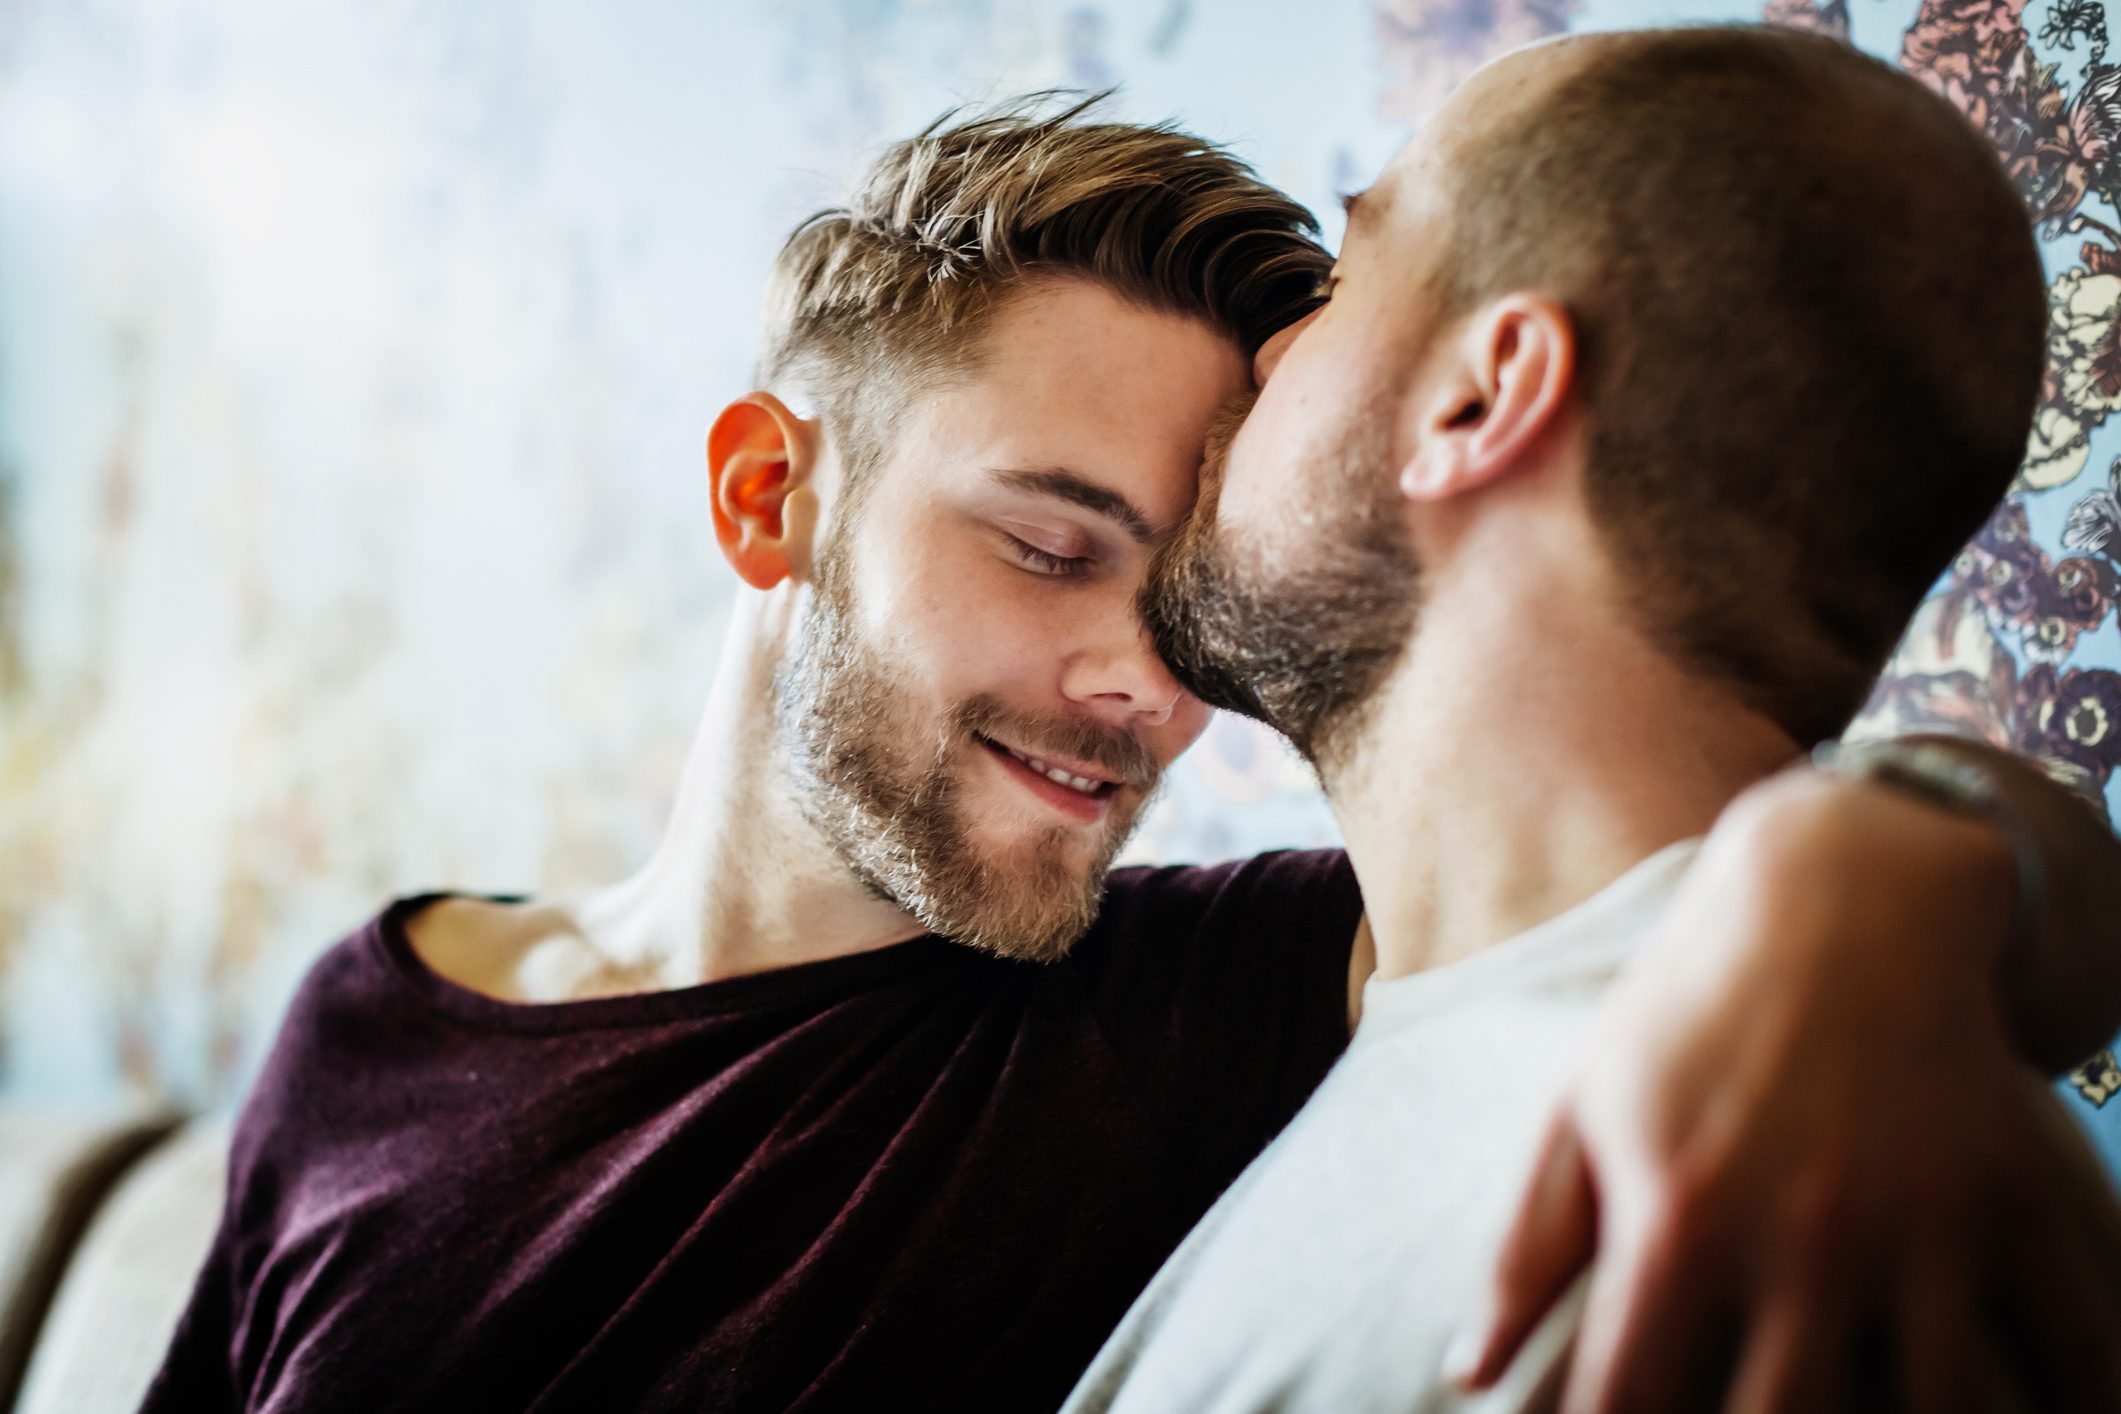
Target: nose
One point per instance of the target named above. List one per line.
(1271, 351)
(1123, 681)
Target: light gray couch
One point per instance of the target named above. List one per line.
(104, 1219)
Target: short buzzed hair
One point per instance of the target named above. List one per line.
(878, 299)
(1811, 320)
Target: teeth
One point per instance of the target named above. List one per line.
(1055, 774)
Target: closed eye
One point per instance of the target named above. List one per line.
(1045, 562)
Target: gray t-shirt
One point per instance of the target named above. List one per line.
(1332, 1275)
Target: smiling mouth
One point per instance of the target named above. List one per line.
(1087, 786)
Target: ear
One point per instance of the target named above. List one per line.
(759, 462)
(1494, 392)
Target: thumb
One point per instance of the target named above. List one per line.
(1552, 1237)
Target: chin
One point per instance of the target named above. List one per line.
(1041, 859)
(1030, 896)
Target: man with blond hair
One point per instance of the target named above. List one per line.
(875, 1088)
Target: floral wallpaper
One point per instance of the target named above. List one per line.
(2019, 644)
(354, 363)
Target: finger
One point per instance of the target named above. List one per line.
(2086, 1196)
(1947, 1361)
(2059, 1322)
(1551, 1239)
(2056, 1265)
(1989, 1387)
(1796, 1352)
(1653, 1331)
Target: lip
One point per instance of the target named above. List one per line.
(1065, 763)
(1085, 809)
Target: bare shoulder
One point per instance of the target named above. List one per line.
(517, 952)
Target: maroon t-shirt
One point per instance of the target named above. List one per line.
(916, 1178)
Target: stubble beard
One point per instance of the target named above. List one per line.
(884, 786)
(1304, 638)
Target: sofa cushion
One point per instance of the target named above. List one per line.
(129, 1280)
(55, 1168)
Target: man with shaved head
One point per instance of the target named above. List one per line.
(1663, 374)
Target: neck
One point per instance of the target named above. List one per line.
(740, 882)
(1507, 774)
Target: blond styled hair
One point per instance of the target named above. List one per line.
(872, 302)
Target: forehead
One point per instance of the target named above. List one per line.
(1073, 376)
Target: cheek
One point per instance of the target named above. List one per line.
(1259, 456)
(1250, 497)
(957, 622)
(1282, 460)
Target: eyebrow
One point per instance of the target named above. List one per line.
(1351, 206)
(1060, 484)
